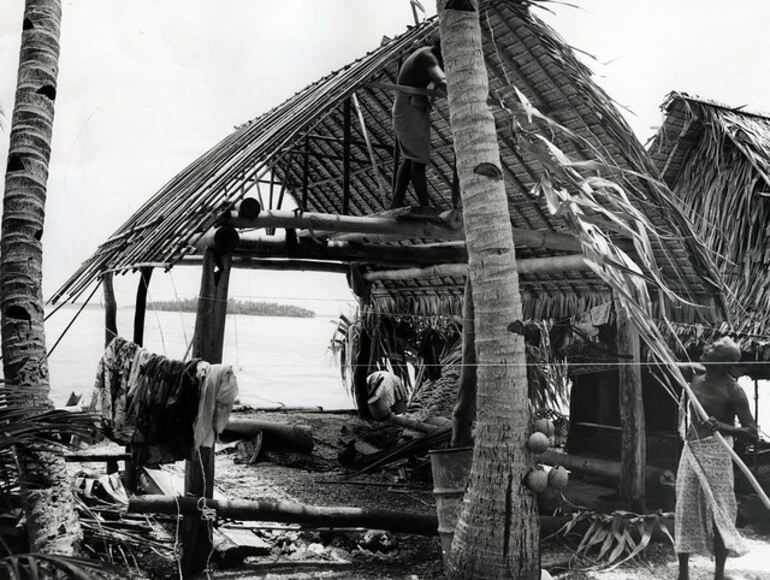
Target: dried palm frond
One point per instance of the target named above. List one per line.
(616, 538)
(45, 567)
(577, 199)
(718, 165)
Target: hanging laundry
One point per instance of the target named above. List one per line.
(163, 410)
(219, 389)
(109, 397)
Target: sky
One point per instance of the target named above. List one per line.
(146, 86)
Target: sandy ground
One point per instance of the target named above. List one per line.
(319, 481)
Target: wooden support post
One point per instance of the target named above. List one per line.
(634, 446)
(110, 310)
(346, 157)
(305, 169)
(272, 185)
(360, 372)
(141, 305)
(464, 412)
(208, 343)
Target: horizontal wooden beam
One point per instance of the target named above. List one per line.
(248, 263)
(308, 249)
(550, 265)
(446, 225)
(282, 511)
(385, 228)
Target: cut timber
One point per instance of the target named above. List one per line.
(232, 546)
(633, 440)
(446, 226)
(256, 245)
(95, 457)
(279, 264)
(286, 512)
(110, 310)
(306, 515)
(298, 437)
(208, 342)
(654, 476)
(549, 265)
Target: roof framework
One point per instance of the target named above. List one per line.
(332, 149)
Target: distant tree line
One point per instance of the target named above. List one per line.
(238, 307)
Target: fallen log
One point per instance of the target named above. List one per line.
(299, 437)
(286, 512)
(317, 517)
(654, 476)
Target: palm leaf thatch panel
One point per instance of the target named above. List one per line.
(716, 160)
(300, 143)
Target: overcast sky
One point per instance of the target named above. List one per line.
(145, 86)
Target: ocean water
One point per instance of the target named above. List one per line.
(278, 360)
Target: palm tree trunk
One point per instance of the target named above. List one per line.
(497, 535)
(52, 520)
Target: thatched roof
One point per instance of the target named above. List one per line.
(716, 160)
(520, 50)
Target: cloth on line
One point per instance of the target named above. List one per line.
(705, 497)
(109, 397)
(411, 122)
(219, 389)
(163, 410)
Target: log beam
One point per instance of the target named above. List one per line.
(110, 309)
(633, 440)
(281, 511)
(307, 249)
(448, 226)
(572, 263)
(208, 342)
(140, 309)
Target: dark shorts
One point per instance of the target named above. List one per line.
(411, 121)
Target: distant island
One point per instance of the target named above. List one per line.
(237, 307)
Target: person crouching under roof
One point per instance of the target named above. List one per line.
(423, 69)
(706, 508)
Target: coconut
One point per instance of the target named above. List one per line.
(545, 426)
(537, 443)
(537, 480)
(558, 478)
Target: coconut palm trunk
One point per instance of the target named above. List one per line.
(497, 535)
(52, 521)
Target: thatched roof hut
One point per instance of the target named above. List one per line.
(331, 148)
(716, 160)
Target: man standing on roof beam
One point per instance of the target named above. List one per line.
(423, 72)
(497, 535)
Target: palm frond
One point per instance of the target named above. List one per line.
(44, 567)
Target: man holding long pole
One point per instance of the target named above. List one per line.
(706, 507)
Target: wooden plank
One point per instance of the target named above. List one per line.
(110, 309)
(549, 265)
(305, 169)
(208, 344)
(95, 457)
(633, 440)
(140, 310)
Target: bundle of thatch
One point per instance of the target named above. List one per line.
(436, 398)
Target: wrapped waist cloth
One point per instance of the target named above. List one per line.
(411, 121)
(705, 498)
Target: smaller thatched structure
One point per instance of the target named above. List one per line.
(716, 160)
